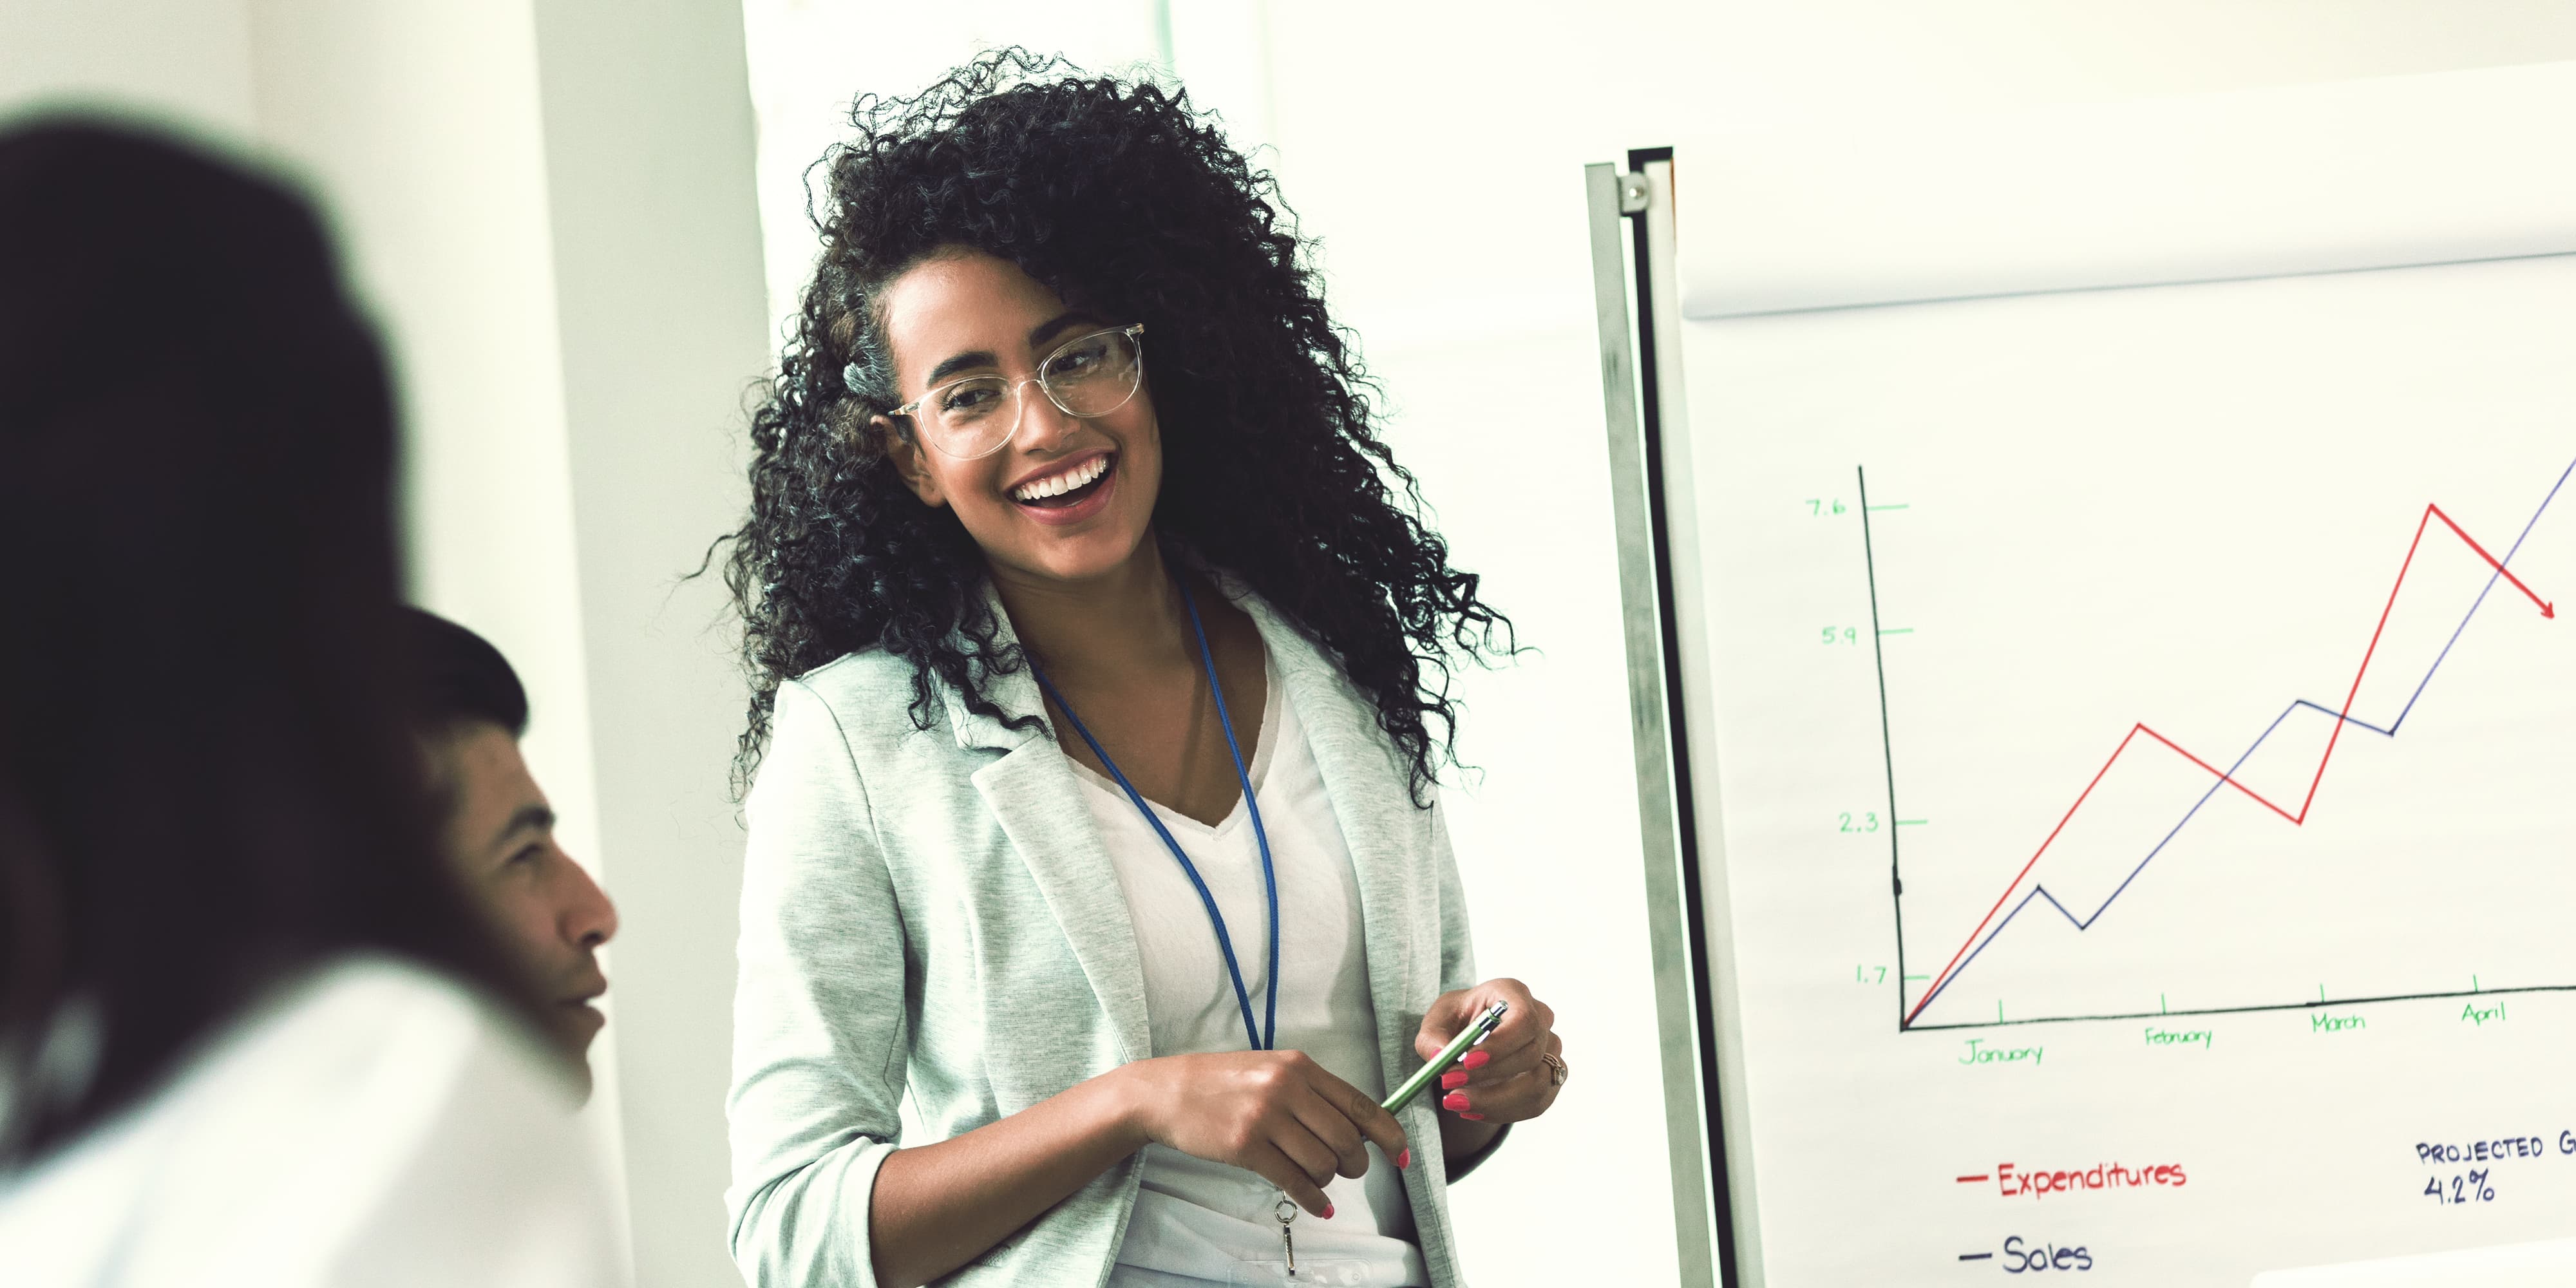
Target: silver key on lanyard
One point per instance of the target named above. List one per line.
(1284, 1213)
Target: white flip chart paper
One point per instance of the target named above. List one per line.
(2191, 653)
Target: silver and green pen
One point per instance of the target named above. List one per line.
(1469, 1036)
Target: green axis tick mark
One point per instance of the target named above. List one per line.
(1874, 509)
(1898, 630)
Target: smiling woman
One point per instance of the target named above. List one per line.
(1096, 655)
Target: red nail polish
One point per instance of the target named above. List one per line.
(1473, 1118)
(1453, 1080)
(1328, 1211)
(1454, 1100)
(1405, 1159)
(1476, 1059)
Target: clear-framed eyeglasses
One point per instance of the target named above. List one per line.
(1088, 376)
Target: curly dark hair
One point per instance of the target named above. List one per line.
(1116, 196)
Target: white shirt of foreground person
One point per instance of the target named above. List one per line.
(370, 1124)
(1198, 1222)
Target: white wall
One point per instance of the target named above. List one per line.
(657, 273)
(179, 63)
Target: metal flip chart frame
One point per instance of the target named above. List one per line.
(1631, 217)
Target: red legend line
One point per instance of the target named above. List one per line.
(1971, 1180)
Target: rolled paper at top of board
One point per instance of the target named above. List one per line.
(2376, 173)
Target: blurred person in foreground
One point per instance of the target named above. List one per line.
(500, 830)
(251, 1028)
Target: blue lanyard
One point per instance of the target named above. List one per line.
(1260, 1038)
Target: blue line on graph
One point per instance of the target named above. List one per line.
(2086, 923)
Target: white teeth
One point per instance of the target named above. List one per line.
(1062, 483)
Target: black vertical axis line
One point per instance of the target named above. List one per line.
(1886, 744)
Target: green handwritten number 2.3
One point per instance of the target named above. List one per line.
(1842, 635)
(1859, 823)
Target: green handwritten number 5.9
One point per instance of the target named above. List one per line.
(1859, 823)
(1841, 635)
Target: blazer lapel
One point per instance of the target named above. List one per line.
(1033, 795)
(1378, 820)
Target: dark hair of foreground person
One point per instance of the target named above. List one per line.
(207, 783)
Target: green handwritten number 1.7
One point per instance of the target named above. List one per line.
(1841, 635)
(1861, 823)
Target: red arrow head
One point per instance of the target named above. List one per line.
(2549, 610)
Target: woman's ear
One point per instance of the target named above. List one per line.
(908, 461)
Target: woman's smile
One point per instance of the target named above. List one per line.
(1067, 492)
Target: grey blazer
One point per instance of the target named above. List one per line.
(931, 914)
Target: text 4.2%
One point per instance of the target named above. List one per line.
(2469, 1188)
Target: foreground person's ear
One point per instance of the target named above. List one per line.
(906, 453)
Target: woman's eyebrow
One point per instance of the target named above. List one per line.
(1038, 336)
(955, 363)
(1061, 322)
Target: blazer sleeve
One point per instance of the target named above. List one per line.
(1457, 947)
(818, 1041)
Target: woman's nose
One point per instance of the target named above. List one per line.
(1042, 423)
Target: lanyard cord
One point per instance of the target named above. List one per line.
(1261, 1038)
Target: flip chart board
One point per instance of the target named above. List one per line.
(2103, 586)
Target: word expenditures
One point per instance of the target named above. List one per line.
(2012, 1181)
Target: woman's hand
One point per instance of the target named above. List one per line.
(1509, 1076)
(1276, 1113)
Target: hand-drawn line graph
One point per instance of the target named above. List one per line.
(1989, 928)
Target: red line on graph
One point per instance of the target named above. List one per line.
(1971, 1180)
(2221, 775)
(2547, 609)
(2431, 512)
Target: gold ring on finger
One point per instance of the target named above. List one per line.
(1556, 1070)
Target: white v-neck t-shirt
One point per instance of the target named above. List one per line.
(1203, 1222)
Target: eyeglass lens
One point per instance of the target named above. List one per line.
(1093, 375)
